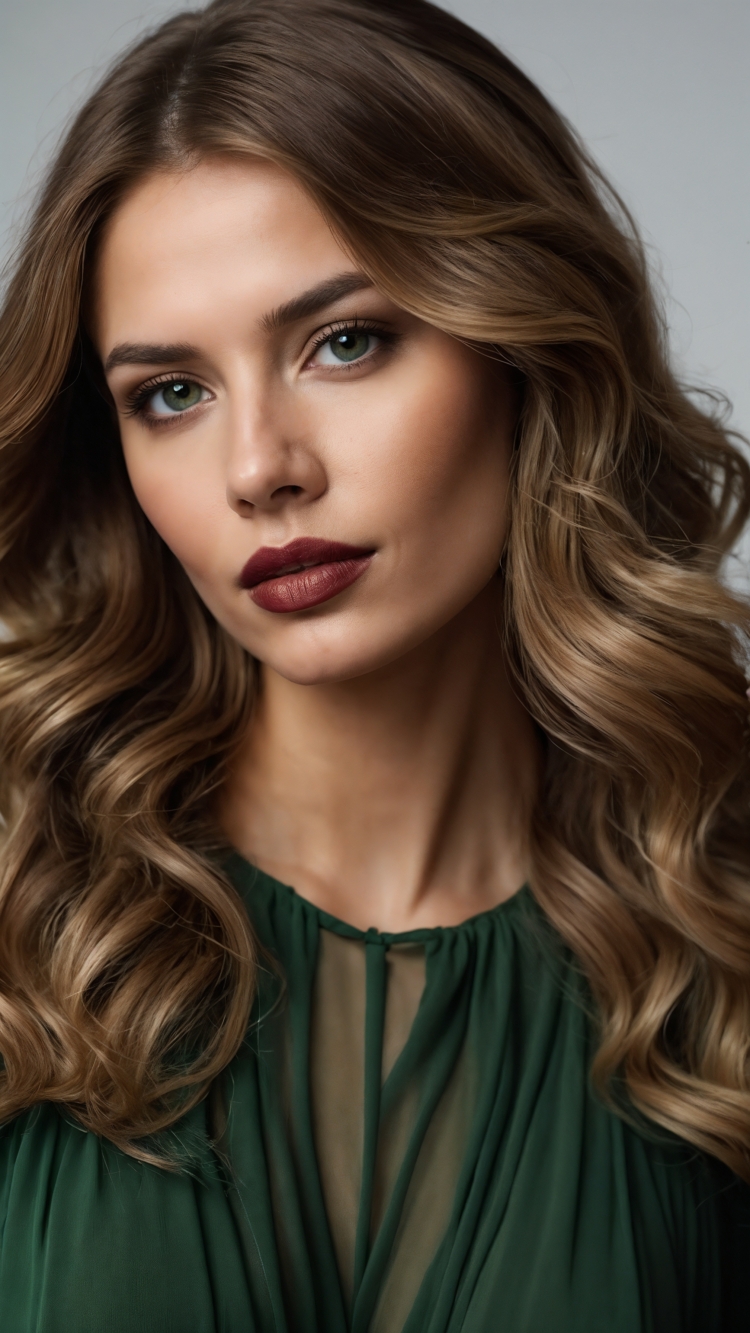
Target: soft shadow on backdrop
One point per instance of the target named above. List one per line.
(658, 89)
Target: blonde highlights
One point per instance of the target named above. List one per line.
(127, 961)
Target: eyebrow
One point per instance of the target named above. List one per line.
(315, 299)
(149, 354)
(300, 307)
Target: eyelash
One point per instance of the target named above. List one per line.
(137, 402)
(386, 336)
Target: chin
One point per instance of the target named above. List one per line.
(326, 668)
(322, 659)
(325, 649)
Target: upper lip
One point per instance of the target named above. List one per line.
(271, 561)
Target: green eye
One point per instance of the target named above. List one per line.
(349, 345)
(177, 396)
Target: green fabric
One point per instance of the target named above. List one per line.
(564, 1218)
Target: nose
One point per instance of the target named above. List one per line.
(272, 458)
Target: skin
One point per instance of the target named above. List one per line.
(389, 770)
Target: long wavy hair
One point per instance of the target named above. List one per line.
(127, 963)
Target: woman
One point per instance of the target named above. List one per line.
(358, 537)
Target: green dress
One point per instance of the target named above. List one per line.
(406, 1143)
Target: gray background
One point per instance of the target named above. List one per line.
(659, 89)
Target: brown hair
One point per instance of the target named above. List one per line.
(126, 958)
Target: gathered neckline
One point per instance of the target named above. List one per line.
(339, 927)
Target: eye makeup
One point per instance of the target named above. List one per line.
(349, 342)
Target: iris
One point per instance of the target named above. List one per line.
(177, 396)
(350, 345)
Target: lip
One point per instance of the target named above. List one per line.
(304, 573)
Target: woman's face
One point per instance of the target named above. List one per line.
(331, 471)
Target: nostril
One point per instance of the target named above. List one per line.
(286, 490)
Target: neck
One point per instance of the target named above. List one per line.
(400, 799)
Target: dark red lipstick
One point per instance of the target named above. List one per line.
(303, 573)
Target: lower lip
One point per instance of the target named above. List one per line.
(308, 587)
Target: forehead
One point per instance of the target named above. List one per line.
(222, 232)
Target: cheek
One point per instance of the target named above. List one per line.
(178, 501)
(447, 460)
